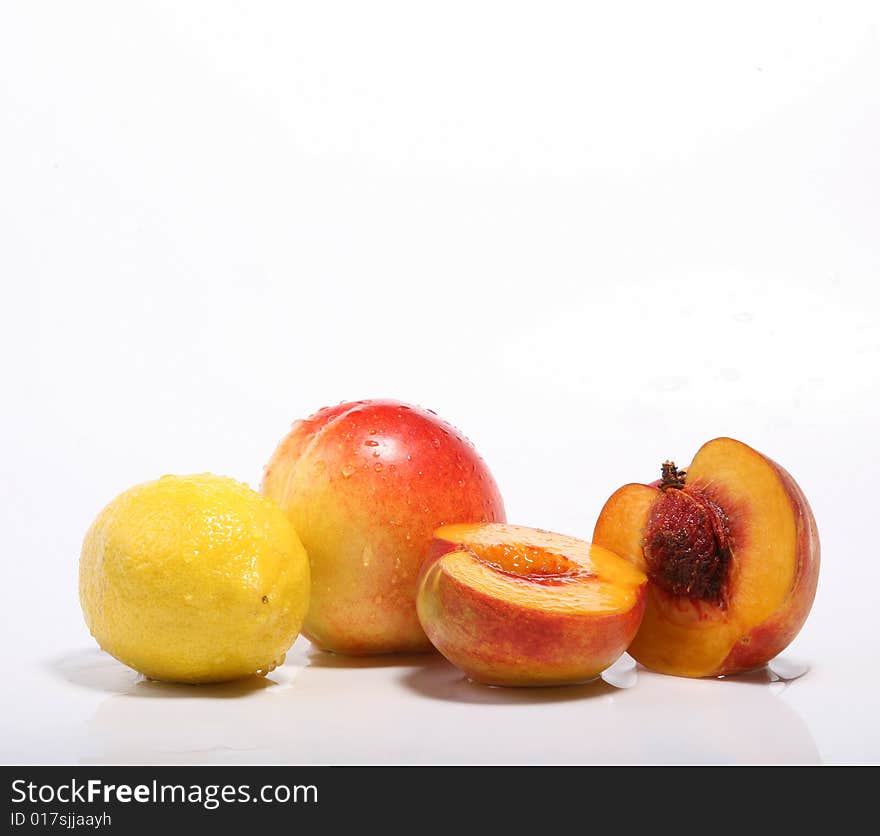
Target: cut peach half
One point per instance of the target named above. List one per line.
(511, 605)
(731, 551)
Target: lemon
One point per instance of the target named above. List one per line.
(194, 579)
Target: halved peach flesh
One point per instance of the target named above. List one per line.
(741, 510)
(519, 606)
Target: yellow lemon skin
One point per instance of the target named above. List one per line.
(194, 579)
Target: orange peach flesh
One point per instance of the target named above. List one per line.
(770, 579)
(516, 606)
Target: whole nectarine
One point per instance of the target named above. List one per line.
(365, 485)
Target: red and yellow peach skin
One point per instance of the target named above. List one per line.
(365, 484)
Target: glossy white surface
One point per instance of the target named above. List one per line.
(592, 239)
(323, 709)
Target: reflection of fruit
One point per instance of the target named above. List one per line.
(518, 606)
(732, 553)
(365, 484)
(194, 579)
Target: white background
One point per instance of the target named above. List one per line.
(592, 236)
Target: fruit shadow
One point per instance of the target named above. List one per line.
(778, 674)
(97, 671)
(327, 659)
(437, 679)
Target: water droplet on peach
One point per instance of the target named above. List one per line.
(348, 470)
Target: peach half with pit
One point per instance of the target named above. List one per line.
(511, 605)
(731, 551)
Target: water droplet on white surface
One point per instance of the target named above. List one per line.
(787, 668)
(623, 673)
